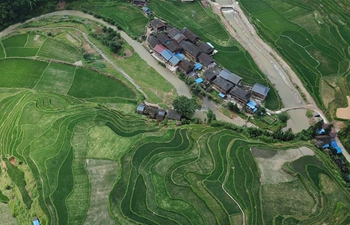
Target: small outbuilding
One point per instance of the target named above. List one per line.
(36, 221)
(139, 2)
(151, 111)
(173, 115)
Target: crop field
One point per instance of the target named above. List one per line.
(129, 18)
(53, 49)
(151, 175)
(316, 50)
(208, 27)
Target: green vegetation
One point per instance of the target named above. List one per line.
(185, 106)
(53, 49)
(207, 26)
(317, 50)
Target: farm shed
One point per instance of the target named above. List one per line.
(146, 10)
(153, 41)
(152, 111)
(231, 77)
(205, 59)
(186, 66)
(173, 115)
(191, 51)
(240, 95)
(163, 38)
(190, 35)
(161, 115)
(251, 106)
(173, 46)
(158, 25)
(140, 109)
(223, 85)
(260, 91)
(205, 48)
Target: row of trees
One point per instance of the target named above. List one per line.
(110, 38)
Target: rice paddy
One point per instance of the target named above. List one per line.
(316, 50)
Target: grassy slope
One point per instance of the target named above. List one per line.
(317, 49)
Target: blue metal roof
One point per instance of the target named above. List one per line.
(322, 131)
(179, 56)
(338, 150)
(174, 60)
(140, 108)
(198, 66)
(199, 80)
(167, 54)
(325, 146)
(251, 104)
(222, 95)
(36, 222)
(334, 144)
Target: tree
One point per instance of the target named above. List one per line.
(185, 106)
(233, 107)
(283, 118)
(210, 116)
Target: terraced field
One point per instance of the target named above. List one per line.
(317, 49)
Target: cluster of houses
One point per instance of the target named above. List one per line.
(158, 113)
(183, 50)
(328, 143)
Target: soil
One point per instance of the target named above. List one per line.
(61, 5)
(344, 113)
(71, 39)
(88, 50)
(13, 161)
(36, 37)
(127, 53)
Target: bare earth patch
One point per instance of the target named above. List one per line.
(13, 161)
(344, 113)
(271, 167)
(88, 50)
(127, 53)
(61, 5)
(36, 37)
(72, 39)
(78, 63)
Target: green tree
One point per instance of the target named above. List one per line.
(210, 116)
(185, 106)
(283, 118)
(233, 107)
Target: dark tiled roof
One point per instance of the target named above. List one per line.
(260, 89)
(173, 32)
(161, 114)
(163, 38)
(141, 108)
(223, 84)
(190, 48)
(173, 46)
(153, 41)
(173, 115)
(190, 35)
(205, 59)
(205, 48)
(325, 138)
(186, 66)
(240, 93)
(157, 24)
(210, 74)
(227, 75)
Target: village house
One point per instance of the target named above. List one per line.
(173, 46)
(186, 66)
(163, 38)
(173, 115)
(260, 91)
(139, 2)
(161, 115)
(176, 35)
(157, 25)
(191, 51)
(240, 95)
(210, 75)
(190, 35)
(153, 41)
(159, 49)
(35, 221)
(146, 10)
(206, 60)
(231, 77)
(140, 108)
(223, 85)
(151, 111)
(205, 48)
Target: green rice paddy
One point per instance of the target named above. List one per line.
(316, 49)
